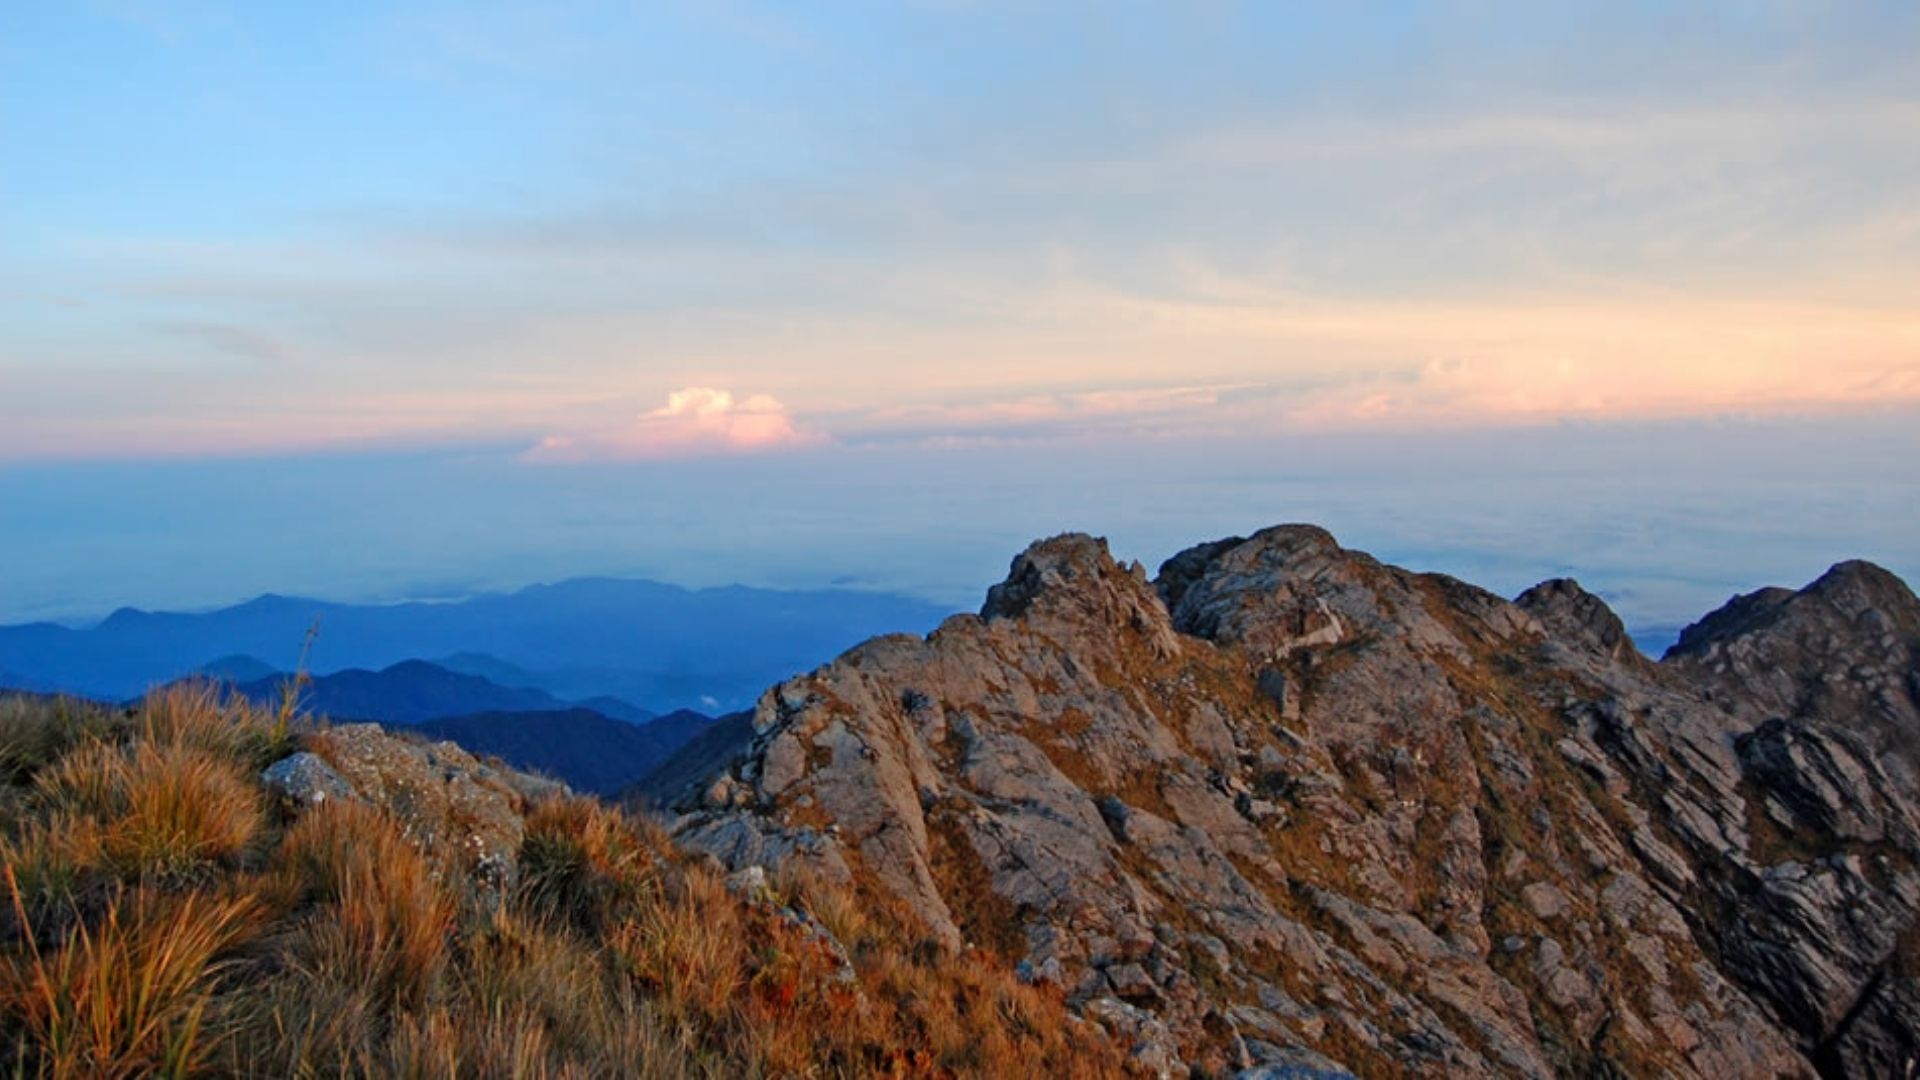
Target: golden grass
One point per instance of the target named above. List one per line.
(164, 923)
(585, 864)
(124, 996)
(840, 911)
(689, 951)
(381, 923)
(34, 732)
(151, 808)
(48, 858)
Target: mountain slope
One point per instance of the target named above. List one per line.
(530, 729)
(588, 750)
(237, 669)
(1287, 804)
(692, 763)
(405, 693)
(496, 670)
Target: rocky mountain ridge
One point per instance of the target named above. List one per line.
(1286, 807)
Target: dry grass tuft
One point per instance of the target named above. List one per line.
(35, 732)
(689, 950)
(382, 922)
(584, 864)
(209, 717)
(152, 808)
(49, 858)
(845, 915)
(125, 996)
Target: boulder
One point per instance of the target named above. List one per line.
(459, 812)
(304, 779)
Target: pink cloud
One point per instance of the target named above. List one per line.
(695, 421)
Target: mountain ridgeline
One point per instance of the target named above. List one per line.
(657, 645)
(414, 691)
(1285, 807)
(550, 678)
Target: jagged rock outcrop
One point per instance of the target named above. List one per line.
(1824, 688)
(1287, 807)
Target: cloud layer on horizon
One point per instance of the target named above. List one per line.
(1482, 392)
(695, 421)
(1668, 519)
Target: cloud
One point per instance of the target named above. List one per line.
(696, 421)
(227, 339)
(1630, 362)
(1063, 414)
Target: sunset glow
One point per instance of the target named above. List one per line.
(1350, 233)
(576, 241)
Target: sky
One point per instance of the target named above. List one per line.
(375, 299)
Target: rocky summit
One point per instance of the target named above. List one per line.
(1288, 810)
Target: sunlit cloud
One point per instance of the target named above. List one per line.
(695, 421)
(1508, 391)
(1197, 354)
(1303, 362)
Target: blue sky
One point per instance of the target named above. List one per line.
(599, 249)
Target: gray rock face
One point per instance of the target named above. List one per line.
(1296, 1066)
(464, 815)
(1577, 617)
(305, 779)
(1288, 808)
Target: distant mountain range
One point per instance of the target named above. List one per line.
(411, 692)
(603, 746)
(592, 638)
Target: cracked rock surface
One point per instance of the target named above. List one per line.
(1286, 810)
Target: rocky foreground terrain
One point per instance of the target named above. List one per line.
(194, 887)
(1286, 808)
